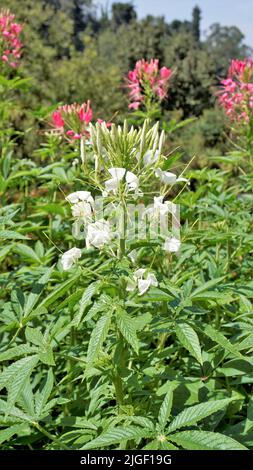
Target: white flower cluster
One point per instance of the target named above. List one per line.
(142, 280)
(98, 233)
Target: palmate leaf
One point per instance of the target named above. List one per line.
(98, 335)
(85, 301)
(33, 297)
(59, 291)
(116, 436)
(17, 351)
(189, 340)
(18, 415)
(11, 235)
(196, 413)
(156, 444)
(127, 328)
(15, 376)
(166, 406)
(7, 433)
(205, 440)
(204, 287)
(43, 394)
(220, 339)
(45, 351)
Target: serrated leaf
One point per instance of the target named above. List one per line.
(59, 291)
(117, 435)
(34, 336)
(11, 235)
(7, 433)
(16, 413)
(17, 351)
(154, 294)
(34, 296)
(43, 394)
(220, 339)
(207, 285)
(205, 440)
(189, 340)
(85, 301)
(196, 413)
(166, 406)
(126, 326)
(98, 335)
(14, 378)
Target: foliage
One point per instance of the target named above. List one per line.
(120, 344)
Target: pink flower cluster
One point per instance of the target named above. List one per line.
(236, 95)
(10, 44)
(147, 79)
(73, 120)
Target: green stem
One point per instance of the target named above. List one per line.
(49, 435)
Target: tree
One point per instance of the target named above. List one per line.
(225, 43)
(122, 13)
(194, 75)
(196, 17)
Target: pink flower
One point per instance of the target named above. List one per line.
(10, 44)
(134, 105)
(71, 120)
(101, 121)
(85, 114)
(236, 93)
(147, 79)
(165, 73)
(57, 119)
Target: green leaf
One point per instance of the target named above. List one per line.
(127, 328)
(249, 419)
(98, 335)
(196, 413)
(17, 351)
(189, 340)
(165, 410)
(15, 376)
(205, 440)
(85, 301)
(219, 338)
(4, 251)
(34, 335)
(155, 295)
(11, 235)
(207, 285)
(16, 413)
(43, 395)
(59, 291)
(33, 297)
(27, 252)
(116, 436)
(45, 352)
(5, 434)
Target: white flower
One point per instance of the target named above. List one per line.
(172, 244)
(70, 257)
(98, 234)
(150, 157)
(133, 255)
(168, 178)
(159, 209)
(142, 284)
(82, 210)
(83, 203)
(118, 174)
(73, 198)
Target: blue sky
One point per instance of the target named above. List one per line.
(227, 12)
